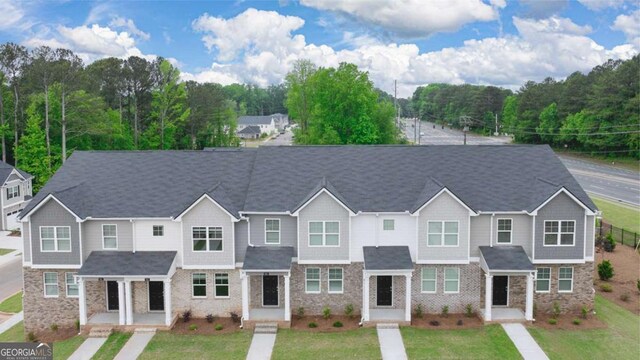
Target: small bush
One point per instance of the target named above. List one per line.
(609, 243)
(337, 324)
(606, 288)
(348, 310)
(434, 323)
(638, 284)
(219, 327)
(32, 337)
(326, 312)
(54, 327)
(576, 321)
(584, 312)
(445, 311)
(605, 270)
(313, 324)
(468, 311)
(209, 318)
(77, 324)
(555, 311)
(186, 315)
(235, 317)
(419, 311)
(624, 297)
(553, 321)
(193, 327)
(459, 322)
(600, 240)
(300, 312)
(535, 309)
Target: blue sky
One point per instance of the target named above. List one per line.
(495, 42)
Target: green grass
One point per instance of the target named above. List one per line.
(619, 341)
(623, 216)
(5, 251)
(352, 344)
(112, 346)
(63, 349)
(12, 304)
(14, 334)
(489, 342)
(165, 345)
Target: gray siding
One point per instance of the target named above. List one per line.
(562, 207)
(15, 200)
(207, 213)
(520, 231)
(92, 235)
(288, 230)
(242, 237)
(52, 214)
(591, 228)
(323, 207)
(444, 207)
(480, 233)
(26, 245)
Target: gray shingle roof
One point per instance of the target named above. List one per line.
(506, 258)
(387, 258)
(6, 169)
(124, 263)
(268, 258)
(250, 130)
(255, 120)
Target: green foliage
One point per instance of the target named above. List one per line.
(193, 327)
(610, 243)
(605, 270)
(326, 312)
(556, 310)
(219, 327)
(313, 324)
(576, 321)
(468, 311)
(624, 297)
(553, 321)
(606, 287)
(584, 312)
(54, 327)
(337, 324)
(348, 310)
(638, 284)
(419, 312)
(445, 311)
(549, 124)
(32, 151)
(300, 312)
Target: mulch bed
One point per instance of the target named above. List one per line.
(204, 327)
(565, 322)
(447, 323)
(626, 265)
(14, 233)
(58, 335)
(325, 325)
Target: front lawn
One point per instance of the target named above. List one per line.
(619, 341)
(112, 346)
(6, 251)
(488, 342)
(14, 334)
(351, 344)
(12, 304)
(63, 349)
(167, 345)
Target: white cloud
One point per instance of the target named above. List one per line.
(414, 18)
(630, 26)
(98, 13)
(130, 26)
(597, 5)
(10, 14)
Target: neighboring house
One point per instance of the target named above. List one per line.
(16, 194)
(250, 132)
(384, 228)
(268, 124)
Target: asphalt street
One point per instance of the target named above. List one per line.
(434, 134)
(281, 139)
(10, 277)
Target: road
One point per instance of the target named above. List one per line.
(436, 135)
(10, 277)
(281, 139)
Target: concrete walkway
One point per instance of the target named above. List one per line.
(261, 346)
(526, 345)
(136, 344)
(6, 325)
(88, 348)
(391, 344)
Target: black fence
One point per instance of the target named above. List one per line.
(624, 237)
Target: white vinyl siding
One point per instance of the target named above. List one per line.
(50, 284)
(71, 285)
(199, 285)
(429, 279)
(336, 282)
(324, 233)
(222, 285)
(505, 227)
(543, 280)
(207, 238)
(451, 280)
(565, 279)
(442, 233)
(55, 238)
(109, 237)
(559, 233)
(272, 231)
(312, 280)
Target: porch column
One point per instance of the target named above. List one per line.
(245, 294)
(168, 313)
(128, 302)
(82, 302)
(287, 302)
(121, 303)
(488, 296)
(365, 296)
(528, 312)
(407, 310)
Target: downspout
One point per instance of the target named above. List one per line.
(376, 230)
(491, 237)
(249, 231)
(133, 231)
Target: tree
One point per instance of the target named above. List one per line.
(169, 105)
(42, 70)
(299, 92)
(68, 67)
(138, 77)
(509, 113)
(13, 60)
(32, 149)
(549, 124)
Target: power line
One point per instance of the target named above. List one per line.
(577, 134)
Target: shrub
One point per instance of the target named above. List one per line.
(313, 325)
(420, 313)
(605, 270)
(219, 327)
(235, 317)
(32, 337)
(54, 327)
(606, 288)
(434, 323)
(459, 322)
(209, 318)
(337, 324)
(468, 311)
(609, 243)
(326, 312)
(193, 327)
(300, 312)
(638, 284)
(576, 321)
(77, 324)
(348, 310)
(584, 312)
(555, 311)
(624, 297)
(445, 311)
(186, 315)
(553, 321)
(600, 240)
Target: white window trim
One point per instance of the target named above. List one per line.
(559, 233)
(66, 287)
(319, 280)
(422, 279)
(44, 284)
(549, 280)
(444, 283)
(207, 239)
(572, 272)
(498, 231)
(153, 231)
(14, 194)
(329, 280)
(324, 232)
(103, 237)
(193, 294)
(272, 231)
(215, 286)
(393, 224)
(444, 233)
(55, 239)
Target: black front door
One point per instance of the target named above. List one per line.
(270, 290)
(156, 296)
(500, 290)
(112, 296)
(384, 291)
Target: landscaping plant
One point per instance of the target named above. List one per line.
(459, 322)
(235, 317)
(348, 310)
(606, 288)
(555, 311)
(219, 327)
(186, 315)
(32, 337)
(468, 311)
(624, 297)
(638, 284)
(420, 313)
(193, 327)
(54, 327)
(434, 323)
(576, 321)
(609, 244)
(337, 324)
(605, 270)
(300, 312)
(326, 312)
(584, 311)
(553, 321)
(445, 311)
(313, 324)
(77, 323)
(209, 318)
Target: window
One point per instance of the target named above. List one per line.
(158, 230)
(50, 284)
(335, 281)
(312, 280)
(72, 285)
(272, 231)
(559, 233)
(207, 238)
(13, 191)
(222, 285)
(109, 237)
(504, 231)
(199, 285)
(388, 224)
(451, 280)
(543, 279)
(442, 233)
(429, 280)
(324, 233)
(55, 238)
(565, 279)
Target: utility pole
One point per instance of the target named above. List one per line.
(419, 132)
(496, 133)
(395, 101)
(465, 121)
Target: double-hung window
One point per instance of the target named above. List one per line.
(543, 279)
(442, 233)
(272, 231)
(158, 230)
(55, 238)
(71, 284)
(109, 237)
(199, 285)
(222, 285)
(324, 233)
(451, 280)
(559, 233)
(335, 281)
(207, 238)
(429, 279)
(565, 279)
(13, 192)
(312, 280)
(504, 231)
(50, 284)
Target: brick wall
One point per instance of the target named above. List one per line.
(582, 295)
(399, 290)
(470, 285)
(40, 312)
(314, 303)
(181, 291)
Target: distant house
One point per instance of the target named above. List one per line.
(250, 132)
(16, 194)
(268, 124)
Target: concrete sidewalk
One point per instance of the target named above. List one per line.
(526, 345)
(136, 344)
(11, 322)
(88, 348)
(261, 346)
(391, 345)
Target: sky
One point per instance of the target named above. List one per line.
(416, 42)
